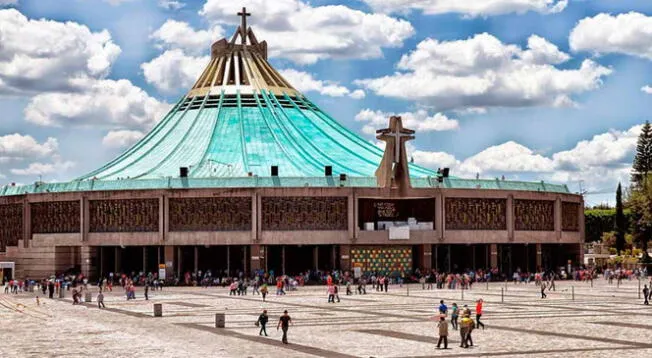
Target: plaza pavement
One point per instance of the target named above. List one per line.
(601, 321)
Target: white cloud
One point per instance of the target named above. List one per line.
(470, 7)
(629, 33)
(44, 55)
(171, 4)
(481, 71)
(434, 160)
(8, 2)
(305, 82)
(507, 157)
(647, 89)
(17, 146)
(305, 34)
(106, 103)
(117, 2)
(419, 121)
(173, 70)
(121, 138)
(44, 168)
(179, 35)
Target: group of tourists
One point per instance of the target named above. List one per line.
(465, 324)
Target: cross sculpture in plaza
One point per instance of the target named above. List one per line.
(393, 171)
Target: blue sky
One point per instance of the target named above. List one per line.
(533, 90)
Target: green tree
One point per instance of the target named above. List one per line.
(621, 222)
(642, 165)
(640, 203)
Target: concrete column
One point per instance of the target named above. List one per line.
(315, 257)
(245, 260)
(493, 250)
(426, 256)
(557, 214)
(439, 216)
(196, 259)
(345, 257)
(539, 256)
(254, 214)
(228, 260)
(100, 254)
(84, 218)
(179, 260)
(510, 217)
(168, 258)
(259, 217)
(352, 216)
(436, 253)
(87, 255)
(162, 217)
(283, 259)
(27, 223)
(256, 253)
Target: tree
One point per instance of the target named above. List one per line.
(621, 222)
(640, 202)
(642, 165)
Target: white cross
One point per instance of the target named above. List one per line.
(397, 144)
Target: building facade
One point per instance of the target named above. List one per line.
(245, 173)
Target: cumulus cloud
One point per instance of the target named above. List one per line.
(629, 33)
(43, 55)
(8, 2)
(106, 103)
(171, 4)
(599, 162)
(647, 89)
(482, 71)
(180, 35)
(305, 82)
(470, 8)
(173, 70)
(419, 121)
(306, 34)
(121, 138)
(17, 146)
(38, 168)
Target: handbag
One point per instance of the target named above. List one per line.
(257, 323)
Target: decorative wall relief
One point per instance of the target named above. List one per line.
(55, 217)
(128, 215)
(305, 213)
(210, 214)
(11, 225)
(570, 220)
(534, 215)
(476, 214)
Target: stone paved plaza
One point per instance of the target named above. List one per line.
(602, 321)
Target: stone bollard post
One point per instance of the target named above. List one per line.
(158, 310)
(220, 321)
(408, 289)
(573, 293)
(62, 293)
(88, 297)
(502, 295)
(462, 293)
(487, 285)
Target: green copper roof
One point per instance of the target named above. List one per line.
(234, 135)
(266, 182)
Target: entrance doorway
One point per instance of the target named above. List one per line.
(7, 271)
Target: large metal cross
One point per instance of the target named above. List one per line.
(397, 144)
(398, 134)
(243, 24)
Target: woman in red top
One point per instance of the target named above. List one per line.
(478, 313)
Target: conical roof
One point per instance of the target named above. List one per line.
(240, 118)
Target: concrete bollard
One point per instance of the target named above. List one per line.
(158, 310)
(502, 295)
(62, 293)
(573, 293)
(220, 321)
(408, 289)
(462, 293)
(88, 297)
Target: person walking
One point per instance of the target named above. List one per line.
(100, 300)
(146, 290)
(443, 332)
(455, 311)
(543, 290)
(284, 323)
(646, 292)
(386, 283)
(478, 313)
(443, 309)
(466, 327)
(263, 291)
(262, 321)
(331, 293)
(337, 295)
